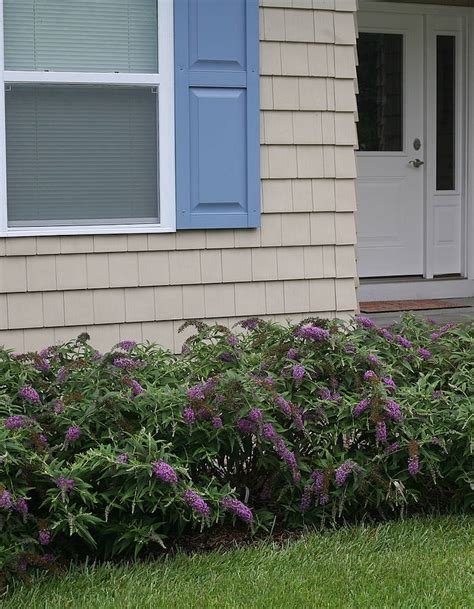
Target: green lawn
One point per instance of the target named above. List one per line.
(418, 563)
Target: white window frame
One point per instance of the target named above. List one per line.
(164, 81)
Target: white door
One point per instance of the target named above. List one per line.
(391, 157)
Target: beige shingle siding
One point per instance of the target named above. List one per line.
(302, 259)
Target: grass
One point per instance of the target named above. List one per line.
(417, 563)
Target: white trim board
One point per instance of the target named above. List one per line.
(415, 7)
(370, 290)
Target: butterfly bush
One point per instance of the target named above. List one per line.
(261, 426)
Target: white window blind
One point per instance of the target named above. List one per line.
(81, 35)
(81, 154)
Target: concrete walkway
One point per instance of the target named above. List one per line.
(441, 316)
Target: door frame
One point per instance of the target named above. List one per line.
(430, 286)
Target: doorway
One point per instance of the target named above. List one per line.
(412, 141)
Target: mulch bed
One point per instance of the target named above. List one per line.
(227, 539)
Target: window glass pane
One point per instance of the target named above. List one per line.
(380, 69)
(81, 35)
(84, 154)
(445, 112)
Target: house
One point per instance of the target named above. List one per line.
(162, 160)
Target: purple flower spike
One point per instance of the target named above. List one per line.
(209, 385)
(365, 322)
(342, 472)
(424, 353)
(137, 389)
(43, 365)
(388, 381)
(361, 406)
(313, 333)
(292, 353)
(436, 395)
(164, 471)
(17, 421)
(373, 359)
(30, 394)
(298, 418)
(393, 411)
(381, 432)
(324, 393)
(250, 324)
(126, 363)
(318, 478)
(283, 405)
(298, 372)
(281, 449)
(196, 393)
(238, 508)
(306, 499)
(127, 345)
(65, 484)
(73, 434)
(58, 406)
(245, 426)
(413, 465)
(369, 375)
(44, 537)
(268, 431)
(404, 342)
(255, 415)
(6, 500)
(123, 459)
(196, 502)
(216, 422)
(61, 375)
(233, 340)
(189, 416)
(21, 506)
(386, 334)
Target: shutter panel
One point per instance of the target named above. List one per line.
(217, 113)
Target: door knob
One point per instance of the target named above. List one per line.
(416, 163)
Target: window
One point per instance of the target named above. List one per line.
(380, 74)
(445, 112)
(86, 117)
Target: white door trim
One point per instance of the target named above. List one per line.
(439, 287)
(453, 200)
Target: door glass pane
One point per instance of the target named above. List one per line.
(445, 112)
(380, 101)
(81, 35)
(81, 154)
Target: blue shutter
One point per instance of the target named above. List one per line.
(217, 113)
